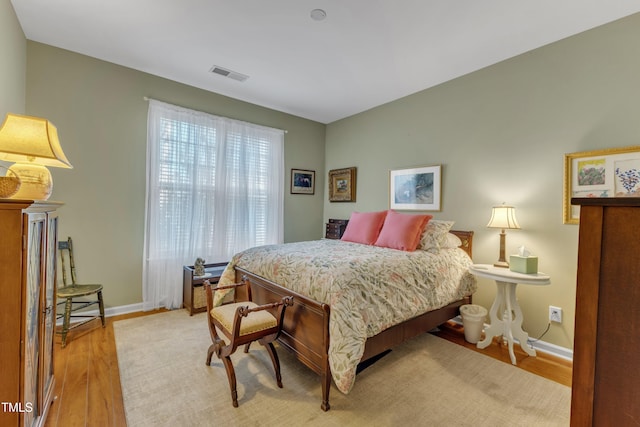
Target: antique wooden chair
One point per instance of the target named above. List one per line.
(242, 323)
(75, 296)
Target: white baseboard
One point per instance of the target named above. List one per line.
(123, 309)
(542, 346)
(555, 350)
(108, 312)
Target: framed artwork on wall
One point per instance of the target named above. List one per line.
(342, 185)
(416, 188)
(613, 172)
(303, 181)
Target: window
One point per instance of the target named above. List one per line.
(214, 188)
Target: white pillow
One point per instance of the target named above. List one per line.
(453, 242)
(434, 235)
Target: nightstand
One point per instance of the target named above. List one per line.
(193, 296)
(335, 228)
(505, 303)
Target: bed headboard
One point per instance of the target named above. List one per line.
(467, 240)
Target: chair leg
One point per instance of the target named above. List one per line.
(214, 348)
(246, 347)
(66, 321)
(210, 351)
(101, 306)
(231, 375)
(276, 362)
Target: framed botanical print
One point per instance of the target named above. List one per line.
(303, 181)
(613, 172)
(342, 185)
(416, 188)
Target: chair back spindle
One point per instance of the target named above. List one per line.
(62, 247)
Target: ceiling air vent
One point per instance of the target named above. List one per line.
(228, 73)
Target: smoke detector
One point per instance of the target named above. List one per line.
(318, 14)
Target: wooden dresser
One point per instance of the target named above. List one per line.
(29, 233)
(606, 361)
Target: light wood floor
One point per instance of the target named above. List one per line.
(88, 381)
(544, 365)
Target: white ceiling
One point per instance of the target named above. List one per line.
(365, 53)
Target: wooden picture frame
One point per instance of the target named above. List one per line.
(303, 181)
(342, 185)
(416, 188)
(613, 172)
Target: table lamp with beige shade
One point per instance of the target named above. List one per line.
(32, 144)
(503, 217)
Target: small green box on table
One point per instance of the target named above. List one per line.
(521, 264)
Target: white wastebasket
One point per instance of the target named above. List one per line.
(473, 317)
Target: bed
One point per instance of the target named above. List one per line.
(337, 321)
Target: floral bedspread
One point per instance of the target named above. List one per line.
(368, 288)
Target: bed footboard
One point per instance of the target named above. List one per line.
(305, 330)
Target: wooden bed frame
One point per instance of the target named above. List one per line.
(305, 329)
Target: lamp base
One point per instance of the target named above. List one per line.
(36, 182)
(502, 260)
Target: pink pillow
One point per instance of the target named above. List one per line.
(402, 231)
(364, 227)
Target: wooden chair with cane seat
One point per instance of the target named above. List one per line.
(242, 323)
(75, 296)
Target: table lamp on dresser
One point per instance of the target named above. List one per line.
(32, 143)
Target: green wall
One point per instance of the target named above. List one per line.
(13, 65)
(101, 116)
(501, 134)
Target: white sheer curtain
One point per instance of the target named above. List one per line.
(215, 186)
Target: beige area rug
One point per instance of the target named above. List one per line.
(427, 381)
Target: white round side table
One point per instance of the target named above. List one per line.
(505, 303)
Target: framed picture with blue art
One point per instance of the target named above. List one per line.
(415, 188)
(303, 181)
(613, 172)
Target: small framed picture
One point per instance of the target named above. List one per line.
(415, 189)
(303, 181)
(613, 172)
(342, 185)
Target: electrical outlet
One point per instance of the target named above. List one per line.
(555, 314)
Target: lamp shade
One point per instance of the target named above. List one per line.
(27, 139)
(32, 143)
(503, 217)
